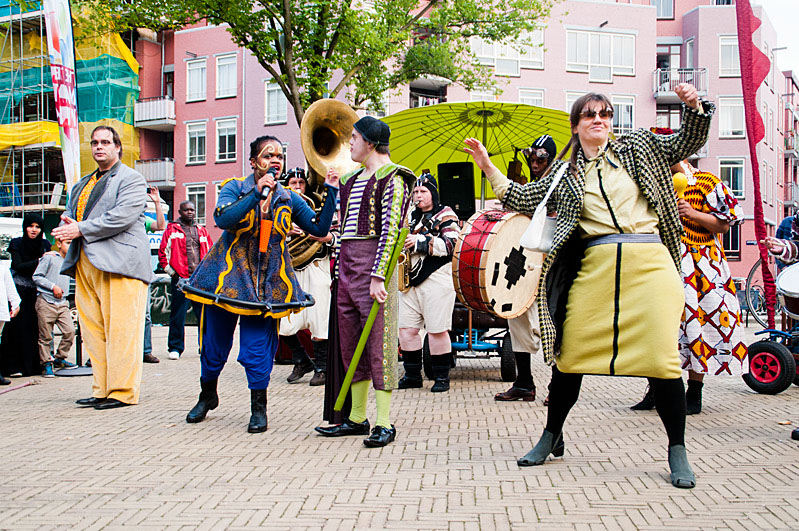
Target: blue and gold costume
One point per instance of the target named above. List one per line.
(236, 279)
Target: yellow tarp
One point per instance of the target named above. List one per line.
(27, 133)
(128, 134)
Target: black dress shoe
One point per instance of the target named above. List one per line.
(111, 403)
(89, 402)
(795, 434)
(515, 393)
(149, 358)
(347, 427)
(4, 381)
(380, 436)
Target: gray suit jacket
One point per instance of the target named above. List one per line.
(113, 239)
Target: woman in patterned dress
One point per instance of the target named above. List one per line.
(711, 335)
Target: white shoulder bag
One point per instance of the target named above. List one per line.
(539, 234)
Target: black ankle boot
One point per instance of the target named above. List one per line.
(320, 355)
(647, 403)
(693, 397)
(208, 401)
(258, 406)
(441, 365)
(412, 360)
(4, 381)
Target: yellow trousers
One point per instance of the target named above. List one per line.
(111, 312)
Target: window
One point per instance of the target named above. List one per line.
(195, 80)
(601, 55)
(766, 52)
(668, 116)
(723, 2)
(531, 97)
(218, 187)
(571, 97)
(731, 172)
(372, 110)
(770, 129)
(226, 82)
(689, 53)
(195, 143)
(764, 181)
(665, 8)
(483, 96)
(729, 63)
(731, 118)
(771, 184)
(731, 241)
(275, 104)
(196, 194)
(623, 114)
(509, 56)
(226, 140)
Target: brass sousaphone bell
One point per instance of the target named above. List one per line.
(325, 137)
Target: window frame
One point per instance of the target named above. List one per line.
(615, 40)
(623, 100)
(535, 91)
(225, 122)
(731, 243)
(197, 95)
(193, 192)
(731, 102)
(526, 56)
(272, 87)
(730, 163)
(197, 159)
(729, 41)
(234, 89)
(659, 4)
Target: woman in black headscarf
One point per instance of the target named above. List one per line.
(19, 350)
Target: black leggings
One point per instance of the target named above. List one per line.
(669, 401)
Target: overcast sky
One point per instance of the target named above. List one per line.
(783, 15)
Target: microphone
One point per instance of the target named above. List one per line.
(265, 191)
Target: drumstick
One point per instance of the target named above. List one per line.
(370, 321)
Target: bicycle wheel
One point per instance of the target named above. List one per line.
(756, 293)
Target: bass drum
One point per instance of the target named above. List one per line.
(788, 290)
(491, 271)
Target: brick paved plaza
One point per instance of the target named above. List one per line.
(453, 465)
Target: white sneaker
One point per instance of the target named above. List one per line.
(173, 355)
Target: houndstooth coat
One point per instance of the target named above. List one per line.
(647, 157)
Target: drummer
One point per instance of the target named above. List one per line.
(613, 271)
(525, 334)
(251, 275)
(430, 299)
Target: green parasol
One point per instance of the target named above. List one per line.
(425, 137)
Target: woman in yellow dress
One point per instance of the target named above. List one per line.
(611, 297)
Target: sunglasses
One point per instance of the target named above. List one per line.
(605, 114)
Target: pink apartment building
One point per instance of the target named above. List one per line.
(208, 99)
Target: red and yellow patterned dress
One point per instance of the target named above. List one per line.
(712, 337)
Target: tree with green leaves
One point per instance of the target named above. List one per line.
(358, 48)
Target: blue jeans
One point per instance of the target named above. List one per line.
(177, 317)
(148, 327)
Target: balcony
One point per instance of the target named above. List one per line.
(790, 145)
(157, 114)
(665, 80)
(158, 172)
(792, 195)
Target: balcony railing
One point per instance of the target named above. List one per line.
(665, 80)
(158, 172)
(792, 195)
(790, 143)
(155, 113)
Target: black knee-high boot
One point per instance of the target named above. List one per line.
(412, 360)
(441, 365)
(693, 397)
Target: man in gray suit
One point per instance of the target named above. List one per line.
(110, 261)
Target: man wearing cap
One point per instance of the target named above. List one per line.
(525, 334)
(374, 202)
(430, 299)
(314, 278)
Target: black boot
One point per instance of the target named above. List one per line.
(258, 406)
(441, 366)
(302, 363)
(412, 359)
(4, 381)
(647, 403)
(208, 401)
(693, 397)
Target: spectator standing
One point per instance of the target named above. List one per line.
(152, 225)
(183, 245)
(9, 304)
(110, 260)
(20, 350)
(52, 308)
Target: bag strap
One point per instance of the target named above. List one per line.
(555, 182)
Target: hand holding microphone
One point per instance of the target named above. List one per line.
(267, 181)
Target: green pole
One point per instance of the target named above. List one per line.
(370, 321)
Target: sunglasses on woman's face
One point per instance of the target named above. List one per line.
(605, 114)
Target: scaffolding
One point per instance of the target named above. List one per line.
(31, 169)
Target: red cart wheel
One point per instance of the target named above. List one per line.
(771, 368)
